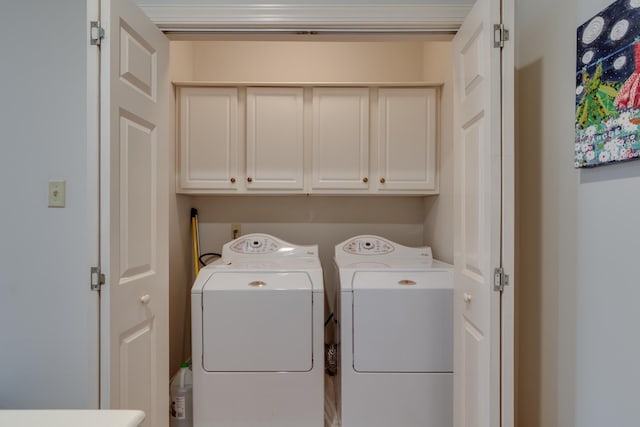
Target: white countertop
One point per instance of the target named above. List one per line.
(70, 418)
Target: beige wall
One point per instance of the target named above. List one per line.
(438, 222)
(606, 346)
(180, 267)
(303, 219)
(321, 220)
(546, 192)
(273, 61)
(181, 66)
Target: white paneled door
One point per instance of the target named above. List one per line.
(483, 226)
(134, 212)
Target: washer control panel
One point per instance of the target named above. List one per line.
(368, 246)
(255, 245)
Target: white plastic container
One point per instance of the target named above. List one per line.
(181, 390)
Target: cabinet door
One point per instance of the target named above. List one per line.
(208, 139)
(407, 140)
(340, 138)
(275, 139)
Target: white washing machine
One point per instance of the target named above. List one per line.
(395, 315)
(257, 323)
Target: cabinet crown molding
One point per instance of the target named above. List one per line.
(300, 17)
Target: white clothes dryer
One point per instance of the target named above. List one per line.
(395, 317)
(258, 345)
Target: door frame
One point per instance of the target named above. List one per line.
(93, 185)
(193, 21)
(507, 345)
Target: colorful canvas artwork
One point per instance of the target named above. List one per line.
(608, 86)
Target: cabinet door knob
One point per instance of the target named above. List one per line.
(249, 179)
(467, 297)
(382, 180)
(144, 299)
(365, 179)
(233, 180)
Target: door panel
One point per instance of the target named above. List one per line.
(138, 65)
(135, 347)
(472, 367)
(477, 218)
(137, 213)
(472, 189)
(134, 213)
(470, 57)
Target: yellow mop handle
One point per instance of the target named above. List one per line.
(194, 235)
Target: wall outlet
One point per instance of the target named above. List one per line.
(236, 231)
(57, 190)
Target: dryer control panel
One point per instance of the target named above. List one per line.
(368, 246)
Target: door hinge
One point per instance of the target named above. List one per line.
(500, 35)
(500, 280)
(97, 33)
(97, 278)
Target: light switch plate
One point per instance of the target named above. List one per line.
(57, 193)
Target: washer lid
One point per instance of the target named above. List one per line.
(257, 322)
(438, 279)
(403, 322)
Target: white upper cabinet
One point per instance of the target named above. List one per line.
(407, 140)
(275, 142)
(208, 153)
(308, 139)
(340, 141)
